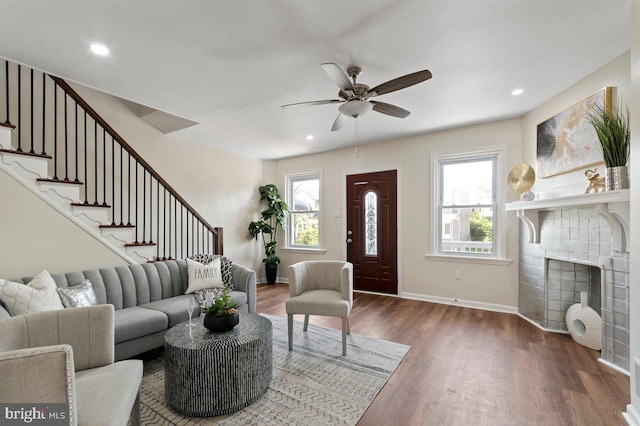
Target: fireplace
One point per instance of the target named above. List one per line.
(566, 249)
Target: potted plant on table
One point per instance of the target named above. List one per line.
(222, 314)
(612, 128)
(273, 217)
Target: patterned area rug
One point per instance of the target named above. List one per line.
(313, 385)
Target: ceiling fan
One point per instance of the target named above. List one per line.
(354, 96)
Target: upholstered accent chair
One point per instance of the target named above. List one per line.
(66, 356)
(320, 287)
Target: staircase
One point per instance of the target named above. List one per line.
(58, 146)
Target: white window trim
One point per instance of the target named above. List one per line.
(500, 237)
(287, 239)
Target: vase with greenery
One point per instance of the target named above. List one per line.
(221, 315)
(272, 218)
(612, 128)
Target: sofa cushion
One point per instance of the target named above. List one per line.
(76, 296)
(175, 308)
(134, 322)
(240, 297)
(204, 276)
(105, 395)
(225, 265)
(38, 295)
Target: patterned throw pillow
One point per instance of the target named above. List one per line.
(38, 295)
(203, 276)
(206, 297)
(225, 264)
(78, 295)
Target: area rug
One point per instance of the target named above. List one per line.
(313, 385)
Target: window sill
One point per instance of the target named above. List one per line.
(303, 250)
(468, 259)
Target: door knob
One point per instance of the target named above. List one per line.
(349, 240)
(349, 232)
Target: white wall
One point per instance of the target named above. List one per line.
(418, 277)
(35, 237)
(615, 74)
(635, 212)
(221, 186)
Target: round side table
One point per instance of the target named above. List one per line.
(211, 374)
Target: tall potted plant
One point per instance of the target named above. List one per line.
(612, 128)
(273, 217)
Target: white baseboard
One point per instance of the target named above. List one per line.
(278, 280)
(615, 367)
(631, 416)
(548, 330)
(463, 303)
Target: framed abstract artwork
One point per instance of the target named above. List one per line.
(567, 141)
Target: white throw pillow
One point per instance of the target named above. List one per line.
(38, 295)
(203, 276)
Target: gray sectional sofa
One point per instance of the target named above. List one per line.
(149, 299)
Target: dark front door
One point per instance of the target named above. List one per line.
(372, 231)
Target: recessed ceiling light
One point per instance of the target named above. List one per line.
(517, 92)
(99, 49)
(309, 137)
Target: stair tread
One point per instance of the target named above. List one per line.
(68, 182)
(9, 125)
(117, 226)
(139, 244)
(29, 154)
(104, 206)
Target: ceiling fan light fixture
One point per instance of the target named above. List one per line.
(355, 108)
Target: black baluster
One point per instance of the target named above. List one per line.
(150, 208)
(44, 109)
(31, 151)
(95, 161)
(55, 131)
(129, 192)
(66, 145)
(86, 165)
(137, 203)
(121, 196)
(144, 204)
(193, 235)
(104, 167)
(113, 182)
(76, 133)
(19, 109)
(181, 232)
(187, 221)
(164, 225)
(6, 88)
(158, 224)
(175, 225)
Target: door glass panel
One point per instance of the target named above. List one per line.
(371, 224)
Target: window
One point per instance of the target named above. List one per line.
(303, 199)
(466, 217)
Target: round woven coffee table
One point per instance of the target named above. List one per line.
(211, 374)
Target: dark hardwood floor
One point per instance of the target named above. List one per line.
(473, 367)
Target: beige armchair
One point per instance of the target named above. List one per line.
(320, 287)
(67, 357)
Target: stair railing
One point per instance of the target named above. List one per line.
(115, 176)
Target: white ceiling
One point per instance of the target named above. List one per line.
(229, 65)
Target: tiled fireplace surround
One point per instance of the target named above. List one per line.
(578, 237)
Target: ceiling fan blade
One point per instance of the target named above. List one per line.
(400, 83)
(340, 120)
(312, 103)
(338, 76)
(392, 110)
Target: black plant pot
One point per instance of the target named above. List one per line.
(217, 324)
(272, 274)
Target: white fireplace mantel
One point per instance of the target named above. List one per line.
(613, 206)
